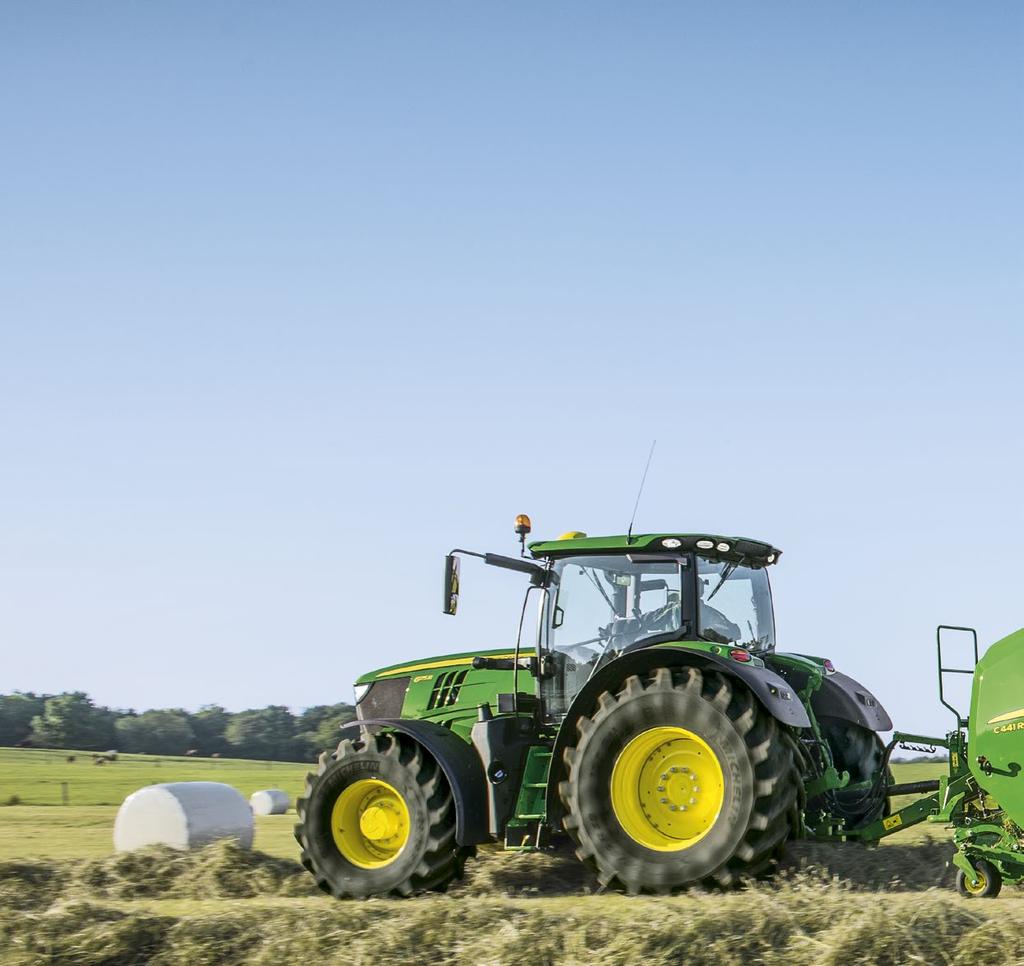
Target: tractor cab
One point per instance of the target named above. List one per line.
(607, 596)
(598, 598)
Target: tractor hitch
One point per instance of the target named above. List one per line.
(913, 788)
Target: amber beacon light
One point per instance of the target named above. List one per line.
(523, 527)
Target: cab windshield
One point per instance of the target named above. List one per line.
(602, 606)
(737, 610)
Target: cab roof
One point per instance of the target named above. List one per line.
(736, 549)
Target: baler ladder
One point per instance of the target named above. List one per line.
(961, 721)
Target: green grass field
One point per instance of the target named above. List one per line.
(36, 775)
(43, 828)
(66, 898)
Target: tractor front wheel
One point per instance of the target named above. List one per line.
(377, 819)
(679, 777)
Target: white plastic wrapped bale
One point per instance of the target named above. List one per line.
(270, 801)
(184, 815)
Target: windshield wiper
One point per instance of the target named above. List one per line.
(593, 576)
(726, 574)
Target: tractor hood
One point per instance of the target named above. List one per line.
(446, 689)
(427, 665)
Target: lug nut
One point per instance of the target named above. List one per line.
(661, 788)
(673, 808)
(664, 801)
(693, 801)
(673, 769)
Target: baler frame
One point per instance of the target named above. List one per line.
(984, 837)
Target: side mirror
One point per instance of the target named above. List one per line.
(451, 584)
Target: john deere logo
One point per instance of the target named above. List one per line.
(1009, 717)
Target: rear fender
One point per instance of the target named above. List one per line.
(842, 697)
(773, 692)
(460, 764)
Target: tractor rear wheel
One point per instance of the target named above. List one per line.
(860, 752)
(377, 819)
(680, 777)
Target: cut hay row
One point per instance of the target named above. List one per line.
(227, 905)
(225, 870)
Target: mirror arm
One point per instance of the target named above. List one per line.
(535, 570)
(540, 576)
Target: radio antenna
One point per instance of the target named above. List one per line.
(643, 480)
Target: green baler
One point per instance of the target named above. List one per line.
(997, 723)
(981, 798)
(988, 826)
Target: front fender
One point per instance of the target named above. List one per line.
(772, 691)
(460, 764)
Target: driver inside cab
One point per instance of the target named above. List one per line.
(713, 620)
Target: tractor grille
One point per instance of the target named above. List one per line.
(384, 699)
(446, 689)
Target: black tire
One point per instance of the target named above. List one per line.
(761, 784)
(991, 881)
(430, 858)
(860, 752)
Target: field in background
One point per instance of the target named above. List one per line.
(43, 828)
(36, 775)
(64, 897)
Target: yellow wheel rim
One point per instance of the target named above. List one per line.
(978, 889)
(667, 789)
(370, 823)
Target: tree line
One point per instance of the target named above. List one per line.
(72, 720)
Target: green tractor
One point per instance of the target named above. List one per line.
(643, 711)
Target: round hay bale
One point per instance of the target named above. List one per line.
(184, 815)
(270, 801)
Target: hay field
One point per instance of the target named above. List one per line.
(64, 898)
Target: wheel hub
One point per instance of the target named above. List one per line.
(667, 788)
(378, 822)
(370, 823)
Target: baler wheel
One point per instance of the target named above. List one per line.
(990, 881)
(378, 819)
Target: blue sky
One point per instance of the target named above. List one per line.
(295, 298)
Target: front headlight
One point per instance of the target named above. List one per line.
(360, 691)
